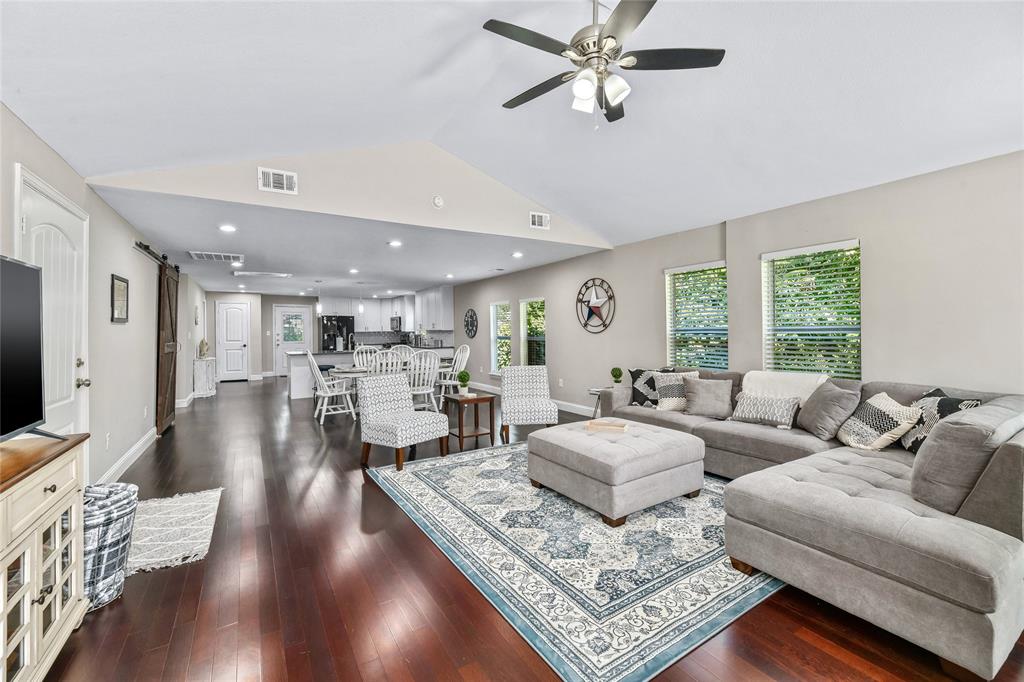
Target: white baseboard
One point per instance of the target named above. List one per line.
(271, 373)
(128, 458)
(184, 402)
(255, 377)
(574, 408)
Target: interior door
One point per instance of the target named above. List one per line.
(54, 234)
(293, 331)
(167, 347)
(232, 341)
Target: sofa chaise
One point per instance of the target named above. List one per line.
(844, 524)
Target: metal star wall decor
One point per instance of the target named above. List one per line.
(595, 305)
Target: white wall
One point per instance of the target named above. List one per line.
(122, 357)
(942, 284)
(191, 330)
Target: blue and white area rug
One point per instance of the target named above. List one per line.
(597, 603)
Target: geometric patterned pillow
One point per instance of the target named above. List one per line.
(669, 387)
(645, 394)
(877, 423)
(935, 405)
(765, 409)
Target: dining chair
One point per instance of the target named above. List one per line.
(448, 380)
(328, 389)
(405, 352)
(361, 356)
(526, 398)
(391, 420)
(422, 372)
(385, 362)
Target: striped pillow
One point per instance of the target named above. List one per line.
(877, 423)
(671, 395)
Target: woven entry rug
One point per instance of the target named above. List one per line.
(597, 603)
(170, 531)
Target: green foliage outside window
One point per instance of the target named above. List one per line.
(698, 318)
(536, 343)
(292, 328)
(501, 316)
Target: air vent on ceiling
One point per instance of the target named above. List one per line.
(284, 182)
(250, 273)
(217, 257)
(540, 221)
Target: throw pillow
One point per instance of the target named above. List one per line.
(645, 393)
(877, 423)
(670, 388)
(826, 410)
(765, 409)
(935, 405)
(708, 397)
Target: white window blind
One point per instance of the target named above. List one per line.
(698, 317)
(501, 336)
(812, 312)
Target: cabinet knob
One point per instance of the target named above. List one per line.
(52, 488)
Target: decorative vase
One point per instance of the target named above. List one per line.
(463, 390)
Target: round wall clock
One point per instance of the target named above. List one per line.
(470, 323)
(595, 305)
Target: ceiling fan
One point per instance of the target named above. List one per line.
(596, 48)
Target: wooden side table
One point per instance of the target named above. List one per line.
(460, 401)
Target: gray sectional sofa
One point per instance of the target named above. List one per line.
(843, 524)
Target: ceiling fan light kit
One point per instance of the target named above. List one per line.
(594, 49)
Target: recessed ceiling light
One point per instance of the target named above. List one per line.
(375, 295)
(228, 228)
(389, 291)
(449, 276)
(241, 286)
(302, 293)
(353, 271)
(517, 254)
(236, 264)
(395, 243)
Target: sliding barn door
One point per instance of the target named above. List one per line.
(167, 347)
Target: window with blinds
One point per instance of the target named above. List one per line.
(501, 336)
(812, 311)
(697, 316)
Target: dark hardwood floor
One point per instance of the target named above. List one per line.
(314, 573)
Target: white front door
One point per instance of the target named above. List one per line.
(53, 233)
(232, 341)
(293, 330)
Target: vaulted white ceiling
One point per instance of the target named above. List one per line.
(812, 99)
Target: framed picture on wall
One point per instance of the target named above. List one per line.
(118, 299)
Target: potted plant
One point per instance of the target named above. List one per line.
(617, 375)
(463, 378)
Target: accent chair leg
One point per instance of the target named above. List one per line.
(364, 461)
(442, 445)
(504, 434)
(614, 523)
(958, 673)
(412, 452)
(399, 458)
(742, 566)
(536, 484)
(694, 494)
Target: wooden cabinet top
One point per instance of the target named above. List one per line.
(22, 457)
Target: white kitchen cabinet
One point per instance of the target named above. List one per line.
(434, 308)
(370, 319)
(409, 316)
(446, 307)
(345, 306)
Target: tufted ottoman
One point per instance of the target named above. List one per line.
(616, 474)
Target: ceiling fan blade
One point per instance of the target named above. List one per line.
(624, 19)
(672, 58)
(526, 36)
(538, 90)
(612, 113)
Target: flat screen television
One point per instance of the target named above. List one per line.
(22, 401)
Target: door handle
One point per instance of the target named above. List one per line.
(83, 383)
(245, 345)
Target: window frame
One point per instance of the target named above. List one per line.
(670, 327)
(768, 310)
(524, 340)
(491, 307)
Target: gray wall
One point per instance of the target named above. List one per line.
(122, 357)
(191, 298)
(942, 284)
(255, 325)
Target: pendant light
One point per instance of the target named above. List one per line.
(319, 305)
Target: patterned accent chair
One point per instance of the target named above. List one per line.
(526, 398)
(389, 419)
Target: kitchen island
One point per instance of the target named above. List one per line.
(300, 379)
